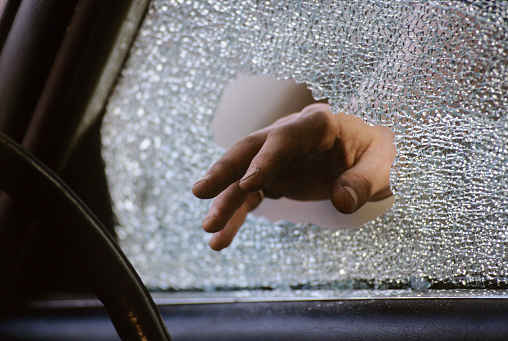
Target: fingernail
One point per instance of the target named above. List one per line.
(212, 240)
(211, 214)
(250, 172)
(212, 243)
(352, 193)
(204, 178)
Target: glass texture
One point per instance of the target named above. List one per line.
(435, 72)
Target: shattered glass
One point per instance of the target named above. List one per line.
(435, 72)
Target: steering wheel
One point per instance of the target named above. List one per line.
(114, 280)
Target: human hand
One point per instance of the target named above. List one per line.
(311, 155)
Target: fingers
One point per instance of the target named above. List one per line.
(227, 214)
(233, 164)
(369, 178)
(230, 167)
(224, 207)
(300, 157)
(279, 149)
(285, 141)
(223, 237)
(258, 158)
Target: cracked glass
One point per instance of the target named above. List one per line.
(435, 72)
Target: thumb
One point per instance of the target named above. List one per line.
(367, 180)
(350, 191)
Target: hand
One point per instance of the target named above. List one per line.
(311, 155)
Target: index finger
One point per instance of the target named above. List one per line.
(230, 167)
(296, 137)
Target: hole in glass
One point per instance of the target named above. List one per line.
(254, 102)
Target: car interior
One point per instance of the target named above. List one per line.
(97, 243)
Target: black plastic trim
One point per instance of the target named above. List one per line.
(379, 319)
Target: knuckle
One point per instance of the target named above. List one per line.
(248, 140)
(284, 132)
(219, 166)
(317, 114)
(316, 108)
